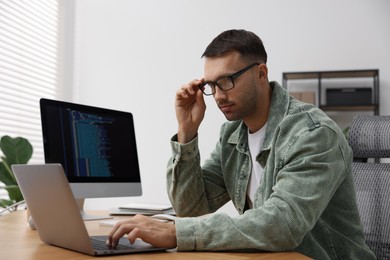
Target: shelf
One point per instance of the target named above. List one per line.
(348, 108)
(331, 74)
(322, 78)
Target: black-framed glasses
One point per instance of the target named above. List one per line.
(224, 83)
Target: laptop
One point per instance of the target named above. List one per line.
(57, 217)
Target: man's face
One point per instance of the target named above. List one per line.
(241, 102)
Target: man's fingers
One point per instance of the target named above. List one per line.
(120, 229)
(182, 93)
(149, 230)
(154, 233)
(134, 234)
(189, 89)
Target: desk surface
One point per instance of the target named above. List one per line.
(18, 241)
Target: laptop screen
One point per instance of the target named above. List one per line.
(92, 144)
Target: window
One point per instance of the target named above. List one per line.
(29, 66)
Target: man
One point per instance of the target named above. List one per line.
(284, 164)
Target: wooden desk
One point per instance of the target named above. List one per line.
(18, 241)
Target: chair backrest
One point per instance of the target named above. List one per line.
(369, 137)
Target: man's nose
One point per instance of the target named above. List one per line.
(219, 94)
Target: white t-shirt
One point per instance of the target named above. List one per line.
(255, 141)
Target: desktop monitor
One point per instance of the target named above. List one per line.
(96, 147)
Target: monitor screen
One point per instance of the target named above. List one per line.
(96, 147)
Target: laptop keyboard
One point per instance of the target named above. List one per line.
(101, 245)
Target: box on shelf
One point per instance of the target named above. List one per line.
(305, 96)
(348, 96)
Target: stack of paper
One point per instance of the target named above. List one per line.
(144, 209)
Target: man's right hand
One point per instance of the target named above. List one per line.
(190, 109)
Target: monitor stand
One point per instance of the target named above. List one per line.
(86, 217)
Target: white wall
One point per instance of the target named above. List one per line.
(133, 55)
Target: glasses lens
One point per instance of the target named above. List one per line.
(225, 83)
(208, 89)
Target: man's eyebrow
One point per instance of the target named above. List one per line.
(220, 77)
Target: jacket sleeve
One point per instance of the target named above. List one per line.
(194, 191)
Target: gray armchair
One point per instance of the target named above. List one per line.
(369, 138)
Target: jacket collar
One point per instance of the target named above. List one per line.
(279, 108)
(280, 103)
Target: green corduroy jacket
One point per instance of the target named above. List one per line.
(306, 199)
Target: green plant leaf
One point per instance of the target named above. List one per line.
(14, 193)
(5, 203)
(6, 177)
(17, 150)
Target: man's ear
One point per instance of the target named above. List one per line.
(263, 71)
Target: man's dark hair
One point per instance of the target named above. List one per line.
(248, 44)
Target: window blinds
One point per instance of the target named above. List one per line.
(29, 66)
